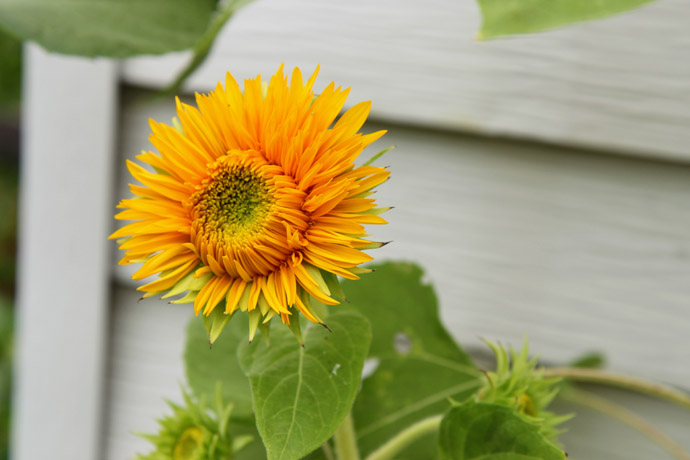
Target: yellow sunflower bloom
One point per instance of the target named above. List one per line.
(253, 201)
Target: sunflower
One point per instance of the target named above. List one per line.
(253, 201)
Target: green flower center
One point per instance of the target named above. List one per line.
(189, 444)
(233, 204)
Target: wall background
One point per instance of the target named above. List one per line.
(542, 181)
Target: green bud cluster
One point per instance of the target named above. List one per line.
(519, 384)
(195, 432)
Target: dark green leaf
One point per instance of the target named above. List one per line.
(254, 450)
(505, 17)
(593, 360)
(10, 75)
(301, 394)
(419, 364)
(486, 431)
(206, 365)
(116, 28)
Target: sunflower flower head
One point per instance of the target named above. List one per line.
(253, 202)
(519, 384)
(195, 432)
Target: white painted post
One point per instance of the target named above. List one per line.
(68, 133)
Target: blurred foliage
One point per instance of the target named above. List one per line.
(115, 28)
(10, 75)
(8, 219)
(120, 28)
(10, 81)
(501, 17)
(8, 225)
(5, 373)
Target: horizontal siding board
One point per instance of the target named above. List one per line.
(621, 84)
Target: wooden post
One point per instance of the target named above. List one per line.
(68, 133)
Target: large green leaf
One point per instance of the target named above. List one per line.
(505, 17)
(419, 365)
(206, 365)
(116, 28)
(486, 431)
(301, 394)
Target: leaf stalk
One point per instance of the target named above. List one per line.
(403, 439)
(346, 440)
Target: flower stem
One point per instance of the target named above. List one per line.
(401, 440)
(346, 440)
(621, 381)
(327, 451)
(626, 417)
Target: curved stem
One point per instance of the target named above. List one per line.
(398, 442)
(224, 12)
(346, 440)
(626, 417)
(621, 381)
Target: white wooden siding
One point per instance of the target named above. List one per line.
(621, 84)
(577, 250)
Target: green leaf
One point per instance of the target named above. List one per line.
(206, 365)
(254, 450)
(115, 28)
(419, 364)
(10, 75)
(301, 394)
(486, 431)
(591, 360)
(505, 17)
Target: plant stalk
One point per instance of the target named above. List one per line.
(401, 440)
(622, 381)
(346, 440)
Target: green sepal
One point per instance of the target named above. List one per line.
(374, 245)
(263, 305)
(216, 321)
(265, 328)
(314, 306)
(189, 297)
(254, 320)
(315, 273)
(243, 303)
(180, 286)
(242, 441)
(360, 270)
(333, 285)
(378, 155)
(177, 125)
(295, 325)
(377, 211)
